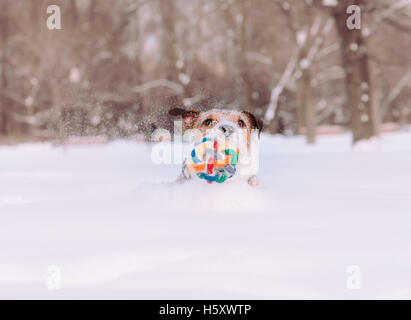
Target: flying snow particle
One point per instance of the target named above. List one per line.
(269, 115)
(365, 97)
(301, 37)
(353, 46)
(95, 121)
(185, 79)
(150, 45)
(330, 3)
(29, 101)
(255, 95)
(34, 82)
(366, 32)
(124, 124)
(180, 64)
(75, 75)
(364, 118)
(304, 63)
(364, 85)
(187, 102)
(286, 6)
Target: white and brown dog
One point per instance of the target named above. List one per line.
(239, 127)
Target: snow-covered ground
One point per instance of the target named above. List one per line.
(114, 225)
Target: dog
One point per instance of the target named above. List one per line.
(238, 127)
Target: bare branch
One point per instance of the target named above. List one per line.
(395, 91)
(278, 89)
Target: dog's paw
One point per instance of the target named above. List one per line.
(253, 181)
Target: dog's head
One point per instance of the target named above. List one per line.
(229, 124)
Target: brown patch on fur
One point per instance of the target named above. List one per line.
(255, 123)
(189, 116)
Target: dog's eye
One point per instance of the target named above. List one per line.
(208, 122)
(241, 123)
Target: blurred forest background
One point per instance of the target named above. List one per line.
(117, 66)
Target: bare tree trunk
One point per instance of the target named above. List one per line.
(138, 69)
(243, 62)
(235, 15)
(74, 11)
(375, 97)
(306, 106)
(359, 87)
(169, 49)
(306, 110)
(92, 13)
(300, 114)
(167, 11)
(310, 110)
(4, 35)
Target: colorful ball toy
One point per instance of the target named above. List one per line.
(213, 160)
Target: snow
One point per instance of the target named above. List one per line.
(330, 3)
(364, 118)
(28, 102)
(372, 144)
(114, 225)
(365, 97)
(184, 78)
(75, 75)
(354, 46)
(301, 37)
(304, 63)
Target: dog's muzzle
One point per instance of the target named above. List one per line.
(227, 129)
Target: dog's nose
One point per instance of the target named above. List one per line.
(227, 129)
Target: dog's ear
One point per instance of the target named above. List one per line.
(176, 112)
(260, 125)
(255, 123)
(188, 116)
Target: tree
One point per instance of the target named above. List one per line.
(360, 91)
(3, 38)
